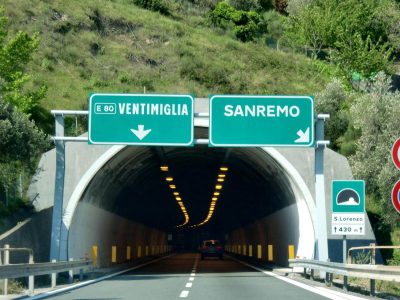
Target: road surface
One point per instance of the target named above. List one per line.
(187, 276)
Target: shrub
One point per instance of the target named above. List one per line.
(155, 5)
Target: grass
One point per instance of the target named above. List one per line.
(114, 46)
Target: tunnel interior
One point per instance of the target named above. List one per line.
(256, 204)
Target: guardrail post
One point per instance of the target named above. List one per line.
(71, 273)
(6, 262)
(345, 283)
(31, 278)
(372, 281)
(53, 277)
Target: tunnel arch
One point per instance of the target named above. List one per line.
(302, 207)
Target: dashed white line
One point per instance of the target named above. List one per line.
(193, 274)
(184, 294)
(191, 278)
(189, 284)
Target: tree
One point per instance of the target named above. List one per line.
(247, 24)
(15, 54)
(353, 31)
(376, 114)
(21, 141)
(332, 101)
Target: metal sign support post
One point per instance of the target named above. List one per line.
(58, 190)
(345, 283)
(321, 228)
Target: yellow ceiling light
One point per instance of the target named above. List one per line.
(178, 198)
(169, 179)
(176, 193)
(172, 186)
(224, 169)
(214, 198)
(216, 193)
(218, 187)
(221, 175)
(220, 180)
(164, 168)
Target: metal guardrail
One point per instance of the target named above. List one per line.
(371, 248)
(372, 272)
(34, 269)
(25, 270)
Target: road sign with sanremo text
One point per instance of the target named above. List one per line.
(243, 121)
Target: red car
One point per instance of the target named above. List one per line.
(212, 248)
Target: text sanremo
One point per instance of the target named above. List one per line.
(267, 111)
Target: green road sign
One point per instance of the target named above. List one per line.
(141, 119)
(348, 196)
(240, 121)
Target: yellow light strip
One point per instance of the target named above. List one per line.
(178, 198)
(214, 199)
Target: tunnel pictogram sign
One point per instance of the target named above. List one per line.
(348, 207)
(242, 121)
(141, 119)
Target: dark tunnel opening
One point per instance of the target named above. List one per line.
(132, 186)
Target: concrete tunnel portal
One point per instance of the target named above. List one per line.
(125, 200)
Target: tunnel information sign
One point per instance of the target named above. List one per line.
(141, 119)
(241, 121)
(348, 207)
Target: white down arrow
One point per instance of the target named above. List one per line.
(140, 132)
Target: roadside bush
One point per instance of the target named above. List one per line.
(247, 24)
(155, 5)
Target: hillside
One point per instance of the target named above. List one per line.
(114, 46)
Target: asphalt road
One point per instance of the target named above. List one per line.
(186, 276)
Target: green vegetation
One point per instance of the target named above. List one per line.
(117, 46)
(20, 140)
(316, 47)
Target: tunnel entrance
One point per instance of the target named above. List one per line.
(127, 200)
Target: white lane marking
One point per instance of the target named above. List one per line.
(82, 284)
(184, 294)
(334, 295)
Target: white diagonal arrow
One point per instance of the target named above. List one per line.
(140, 132)
(304, 137)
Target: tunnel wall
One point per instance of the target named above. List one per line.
(96, 226)
(279, 229)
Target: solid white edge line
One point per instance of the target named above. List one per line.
(330, 294)
(184, 294)
(85, 283)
